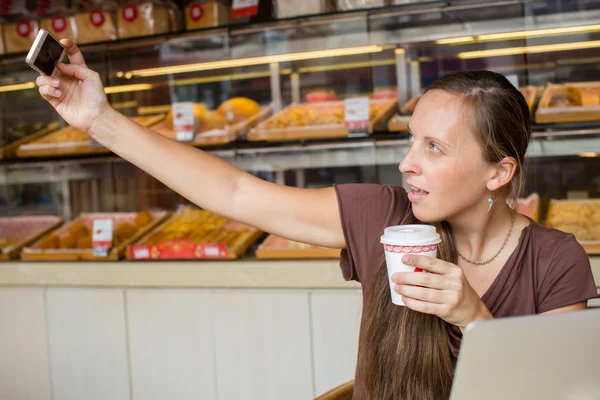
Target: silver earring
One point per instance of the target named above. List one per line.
(490, 202)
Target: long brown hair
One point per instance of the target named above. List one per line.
(403, 354)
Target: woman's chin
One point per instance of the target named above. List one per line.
(425, 216)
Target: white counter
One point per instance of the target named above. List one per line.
(153, 330)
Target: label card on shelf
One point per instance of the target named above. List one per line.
(356, 115)
(102, 237)
(183, 121)
(244, 8)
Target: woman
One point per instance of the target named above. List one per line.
(469, 134)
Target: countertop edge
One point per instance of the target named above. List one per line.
(183, 274)
(251, 273)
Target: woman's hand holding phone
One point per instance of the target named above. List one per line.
(76, 92)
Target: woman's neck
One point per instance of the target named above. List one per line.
(478, 234)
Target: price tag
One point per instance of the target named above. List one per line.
(102, 237)
(244, 8)
(183, 121)
(356, 114)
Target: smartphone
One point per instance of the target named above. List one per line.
(45, 53)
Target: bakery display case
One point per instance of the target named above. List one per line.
(308, 97)
(101, 262)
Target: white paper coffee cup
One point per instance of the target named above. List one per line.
(407, 239)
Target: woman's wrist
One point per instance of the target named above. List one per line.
(481, 314)
(100, 128)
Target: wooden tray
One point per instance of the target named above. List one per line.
(27, 230)
(41, 148)
(549, 115)
(262, 133)
(35, 253)
(529, 206)
(581, 220)
(278, 247)
(10, 149)
(530, 93)
(179, 248)
(216, 137)
(399, 122)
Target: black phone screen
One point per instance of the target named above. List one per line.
(48, 56)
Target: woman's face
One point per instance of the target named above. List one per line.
(444, 167)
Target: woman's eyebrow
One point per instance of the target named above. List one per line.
(434, 139)
(430, 138)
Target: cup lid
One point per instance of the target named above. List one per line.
(410, 235)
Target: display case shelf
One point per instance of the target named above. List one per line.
(367, 151)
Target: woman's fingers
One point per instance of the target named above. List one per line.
(48, 92)
(421, 293)
(80, 72)
(425, 279)
(75, 55)
(43, 80)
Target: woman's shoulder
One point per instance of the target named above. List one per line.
(551, 238)
(372, 194)
(561, 268)
(365, 211)
(555, 251)
(371, 188)
(372, 204)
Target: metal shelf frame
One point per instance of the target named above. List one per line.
(296, 156)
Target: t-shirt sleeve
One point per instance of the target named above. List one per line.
(569, 279)
(365, 211)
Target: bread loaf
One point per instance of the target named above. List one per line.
(143, 20)
(18, 37)
(95, 26)
(61, 27)
(206, 15)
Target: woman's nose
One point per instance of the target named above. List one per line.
(409, 165)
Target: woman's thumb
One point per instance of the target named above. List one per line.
(80, 72)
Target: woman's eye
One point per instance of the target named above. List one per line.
(411, 138)
(434, 147)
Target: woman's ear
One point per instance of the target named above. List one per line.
(502, 173)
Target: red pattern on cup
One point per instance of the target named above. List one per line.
(410, 249)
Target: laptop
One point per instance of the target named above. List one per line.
(546, 357)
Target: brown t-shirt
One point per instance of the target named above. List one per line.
(548, 270)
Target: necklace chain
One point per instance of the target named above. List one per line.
(512, 223)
